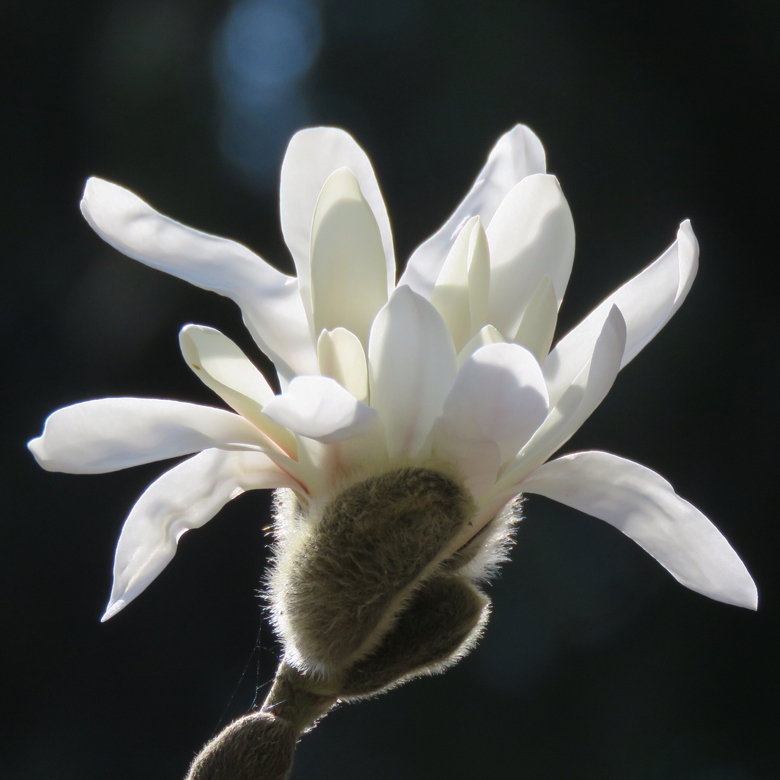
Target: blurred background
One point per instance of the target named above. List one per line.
(596, 663)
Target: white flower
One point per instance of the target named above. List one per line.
(448, 373)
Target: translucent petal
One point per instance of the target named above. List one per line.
(647, 302)
(517, 154)
(185, 497)
(531, 236)
(478, 461)
(319, 408)
(115, 433)
(348, 270)
(486, 335)
(479, 279)
(499, 395)
(411, 362)
(644, 506)
(312, 156)
(577, 404)
(537, 327)
(341, 356)
(270, 300)
(450, 295)
(226, 370)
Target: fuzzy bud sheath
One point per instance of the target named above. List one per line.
(366, 592)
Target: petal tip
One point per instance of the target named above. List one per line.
(749, 597)
(114, 607)
(37, 448)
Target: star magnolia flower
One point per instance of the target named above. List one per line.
(410, 416)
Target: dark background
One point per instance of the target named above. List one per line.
(596, 663)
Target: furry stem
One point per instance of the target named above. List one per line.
(298, 699)
(261, 745)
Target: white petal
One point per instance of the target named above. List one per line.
(115, 433)
(320, 408)
(540, 317)
(644, 506)
(349, 281)
(486, 335)
(647, 302)
(312, 156)
(479, 278)
(185, 497)
(499, 395)
(226, 370)
(517, 154)
(477, 461)
(411, 362)
(584, 395)
(341, 356)
(450, 295)
(462, 289)
(531, 235)
(224, 362)
(270, 300)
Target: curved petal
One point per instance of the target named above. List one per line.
(318, 407)
(517, 154)
(226, 370)
(224, 362)
(537, 327)
(486, 335)
(499, 395)
(109, 434)
(270, 300)
(462, 289)
(185, 497)
(644, 506)
(575, 406)
(477, 461)
(479, 278)
(341, 356)
(450, 295)
(411, 367)
(312, 156)
(647, 302)
(349, 283)
(531, 236)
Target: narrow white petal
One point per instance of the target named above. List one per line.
(115, 433)
(185, 497)
(270, 300)
(531, 235)
(342, 357)
(450, 295)
(688, 258)
(517, 154)
(647, 302)
(479, 279)
(499, 395)
(644, 506)
(537, 327)
(462, 289)
(349, 281)
(312, 156)
(411, 362)
(583, 396)
(226, 370)
(223, 361)
(319, 408)
(486, 335)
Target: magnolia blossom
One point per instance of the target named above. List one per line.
(386, 388)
